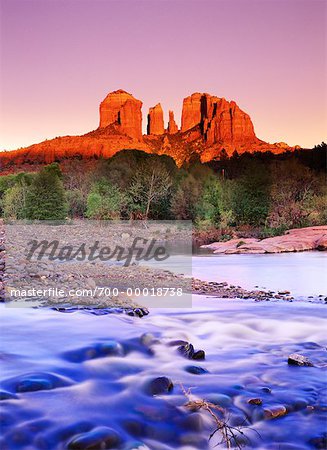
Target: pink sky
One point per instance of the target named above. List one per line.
(60, 58)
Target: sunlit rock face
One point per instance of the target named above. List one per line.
(122, 109)
(210, 126)
(156, 120)
(220, 121)
(172, 125)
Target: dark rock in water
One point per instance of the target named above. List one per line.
(34, 385)
(4, 395)
(139, 312)
(40, 382)
(299, 360)
(110, 348)
(103, 349)
(160, 385)
(199, 355)
(255, 401)
(95, 311)
(266, 389)
(177, 342)
(319, 442)
(196, 370)
(186, 350)
(97, 439)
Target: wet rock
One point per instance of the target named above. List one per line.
(160, 386)
(186, 350)
(296, 359)
(4, 395)
(34, 385)
(274, 412)
(255, 401)
(141, 312)
(196, 370)
(199, 355)
(266, 389)
(40, 382)
(97, 439)
(138, 312)
(178, 342)
(108, 348)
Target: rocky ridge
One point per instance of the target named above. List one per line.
(209, 126)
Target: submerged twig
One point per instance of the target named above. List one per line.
(230, 435)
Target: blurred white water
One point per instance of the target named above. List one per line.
(246, 345)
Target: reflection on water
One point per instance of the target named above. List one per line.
(303, 273)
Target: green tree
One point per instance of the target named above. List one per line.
(150, 185)
(45, 199)
(105, 201)
(297, 197)
(209, 207)
(14, 198)
(185, 200)
(77, 203)
(250, 196)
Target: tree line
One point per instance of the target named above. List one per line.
(259, 191)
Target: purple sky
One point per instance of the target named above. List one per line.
(61, 57)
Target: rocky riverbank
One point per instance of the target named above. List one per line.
(295, 240)
(99, 280)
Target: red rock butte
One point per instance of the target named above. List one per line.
(209, 126)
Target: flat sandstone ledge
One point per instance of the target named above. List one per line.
(295, 240)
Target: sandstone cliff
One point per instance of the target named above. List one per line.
(172, 125)
(122, 109)
(209, 125)
(156, 120)
(220, 121)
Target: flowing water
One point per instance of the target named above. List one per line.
(77, 380)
